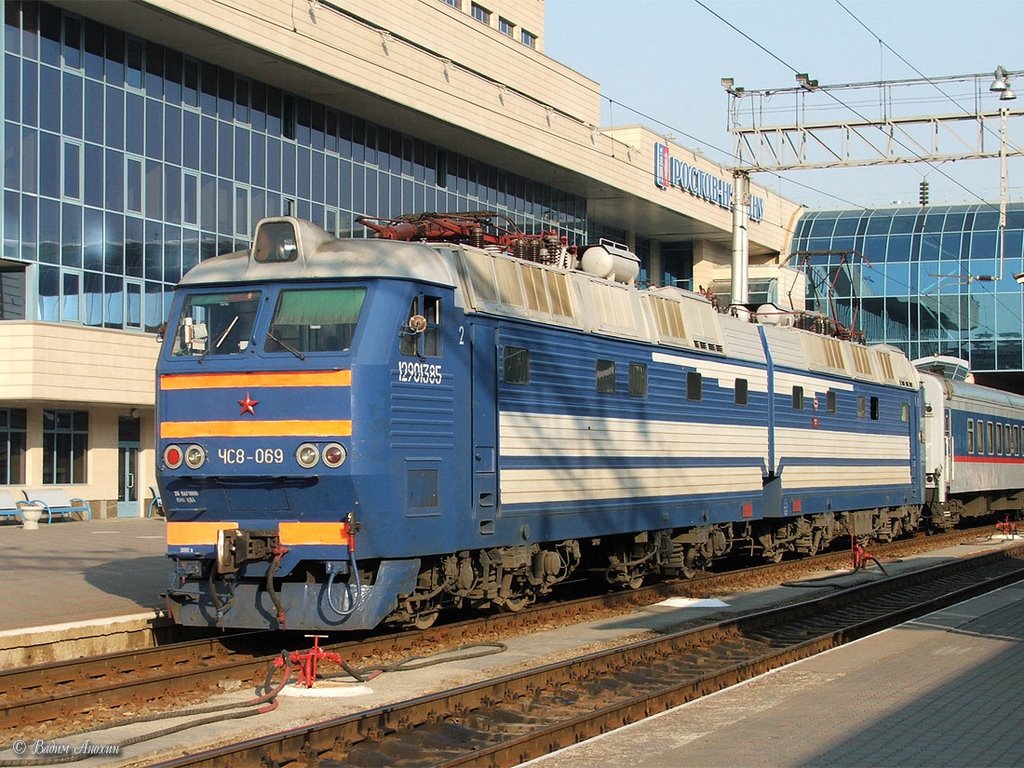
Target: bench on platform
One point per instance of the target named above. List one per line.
(9, 502)
(156, 506)
(56, 501)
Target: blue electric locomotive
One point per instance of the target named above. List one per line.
(366, 431)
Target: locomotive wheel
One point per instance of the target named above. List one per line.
(817, 539)
(424, 620)
(515, 604)
(636, 582)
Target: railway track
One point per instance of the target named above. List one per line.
(511, 719)
(41, 700)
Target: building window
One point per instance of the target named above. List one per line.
(12, 295)
(12, 446)
(638, 380)
(72, 170)
(741, 394)
(242, 228)
(65, 446)
(190, 198)
(517, 365)
(481, 14)
(528, 38)
(133, 63)
(70, 296)
(133, 184)
(506, 27)
(694, 386)
(605, 375)
(454, 3)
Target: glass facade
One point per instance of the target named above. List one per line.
(126, 163)
(929, 281)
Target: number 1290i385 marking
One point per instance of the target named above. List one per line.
(419, 373)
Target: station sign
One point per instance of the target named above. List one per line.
(671, 173)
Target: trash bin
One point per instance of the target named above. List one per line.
(31, 514)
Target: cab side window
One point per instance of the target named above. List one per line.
(421, 336)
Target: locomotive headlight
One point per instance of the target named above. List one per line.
(335, 454)
(173, 457)
(307, 455)
(195, 456)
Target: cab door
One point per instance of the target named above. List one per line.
(483, 340)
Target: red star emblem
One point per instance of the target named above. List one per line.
(248, 405)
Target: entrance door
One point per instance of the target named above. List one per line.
(128, 446)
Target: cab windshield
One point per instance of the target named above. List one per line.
(215, 324)
(314, 320)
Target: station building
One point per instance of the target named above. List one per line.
(142, 136)
(932, 280)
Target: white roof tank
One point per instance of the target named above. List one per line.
(610, 261)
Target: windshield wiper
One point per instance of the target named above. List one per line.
(274, 337)
(220, 339)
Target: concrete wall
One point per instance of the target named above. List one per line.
(76, 364)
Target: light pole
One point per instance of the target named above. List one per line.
(1001, 85)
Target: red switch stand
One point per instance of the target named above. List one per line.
(861, 556)
(308, 660)
(1007, 527)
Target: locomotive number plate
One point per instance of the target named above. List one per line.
(259, 456)
(419, 373)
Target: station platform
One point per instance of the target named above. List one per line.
(74, 580)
